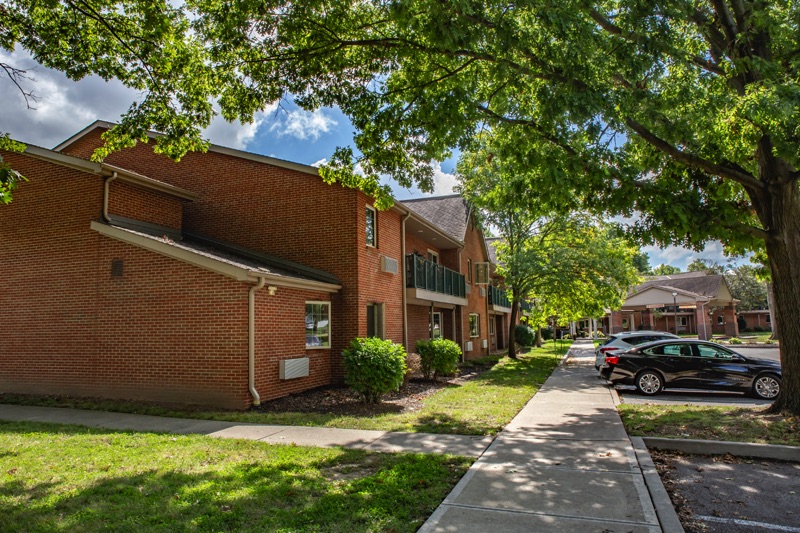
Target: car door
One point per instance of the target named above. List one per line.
(721, 368)
(677, 362)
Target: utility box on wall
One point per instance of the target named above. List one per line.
(294, 368)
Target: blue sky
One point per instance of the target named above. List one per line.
(65, 107)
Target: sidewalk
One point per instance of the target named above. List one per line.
(376, 441)
(564, 463)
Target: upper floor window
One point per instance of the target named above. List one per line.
(469, 270)
(318, 324)
(372, 231)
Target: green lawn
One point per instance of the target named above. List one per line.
(66, 478)
(712, 423)
(482, 406)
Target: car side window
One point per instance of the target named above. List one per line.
(678, 350)
(714, 352)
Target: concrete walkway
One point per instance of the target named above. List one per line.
(564, 463)
(376, 441)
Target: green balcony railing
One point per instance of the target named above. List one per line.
(526, 306)
(424, 274)
(498, 297)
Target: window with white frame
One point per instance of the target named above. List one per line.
(682, 320)
(769, 319)
(491, 325)
(436, 325)
(372, 228)
(376, 326)
(474, 325)
(720, 320)
(318, 324)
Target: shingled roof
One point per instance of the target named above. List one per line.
(700, 283)
(449, 213)
(491, 245)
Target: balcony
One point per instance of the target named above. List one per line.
(430, 282)
(498, 299)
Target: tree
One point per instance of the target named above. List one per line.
(641, 261)
(747, 288)
(147, 45)
(683, 112)
(571, 264)
(665, 270)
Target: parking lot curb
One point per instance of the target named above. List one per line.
(717, 447)
(665, 510)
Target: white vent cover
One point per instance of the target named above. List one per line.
(294, 368)
(468, 288)
(469, 346)
(388, 265)
(484, 343)
(483, 292)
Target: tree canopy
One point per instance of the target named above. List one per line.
(571, 264)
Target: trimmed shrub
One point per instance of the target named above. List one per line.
(524, 335)
(373, 367)
(734, 340)
(759, 329)
(547, 334)
(438, 357)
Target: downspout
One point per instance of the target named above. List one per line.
(251, 340)
(405, 277)
(106, 189)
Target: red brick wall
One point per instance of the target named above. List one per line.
(130, 201)
(475, 251)
(418, 324)
(164, 331)
(290, 214)
(280, 334)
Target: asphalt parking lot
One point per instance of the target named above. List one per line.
(728, 494)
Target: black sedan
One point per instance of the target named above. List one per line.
(692, 364)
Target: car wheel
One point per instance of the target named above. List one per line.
(767, 387)
(649, 383)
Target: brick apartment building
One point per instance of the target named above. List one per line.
(227, 279)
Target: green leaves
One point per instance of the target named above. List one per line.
(9, 178)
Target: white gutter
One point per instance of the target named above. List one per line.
(105, 196)
(251, 340)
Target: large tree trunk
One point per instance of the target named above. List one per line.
(781, 211)
(512, 334)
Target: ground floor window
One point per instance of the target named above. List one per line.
(769, 319)
(491, 326)
(318, 324)
(474, 325)
(436, 325)
(375, 321)
(682, 321)
(720, 320)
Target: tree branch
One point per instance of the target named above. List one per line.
(745, 179)
(15, 75)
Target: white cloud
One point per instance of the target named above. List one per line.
(64, 107)
(305, 125)
(235, 134)
(320, 162)
(682, 257)
(443, 182)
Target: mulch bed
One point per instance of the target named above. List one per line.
(343, 401)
